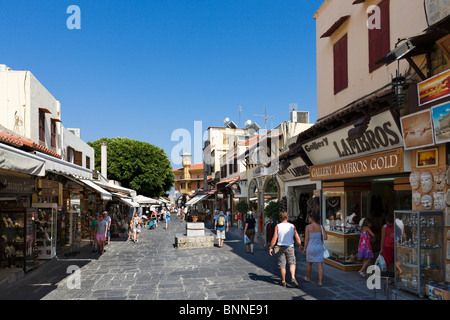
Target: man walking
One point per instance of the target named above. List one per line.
(284, 236)
(221, 226)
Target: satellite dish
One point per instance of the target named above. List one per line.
(248, 123)
(226, 121)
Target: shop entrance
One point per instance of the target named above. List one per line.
(346, 203)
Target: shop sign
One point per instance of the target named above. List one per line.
(49, 188)
(388, 162)
(14, 185)
(381, 134)
(297, 169)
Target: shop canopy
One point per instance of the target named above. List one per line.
(105, 195)
(196, 199)
(127, 200)
(142, 200)
(13, 159)
(56, 165)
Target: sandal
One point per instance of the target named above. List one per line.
(306, 280)
(282, 283)
(295, 283)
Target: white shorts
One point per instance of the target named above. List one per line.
(221, 234)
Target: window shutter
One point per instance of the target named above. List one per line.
(78, 158)
(340, 64)
(379, 39)
(41, 126)
(53, 132)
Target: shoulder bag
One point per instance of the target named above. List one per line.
(326, 253)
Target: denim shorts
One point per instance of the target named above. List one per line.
(286, 254)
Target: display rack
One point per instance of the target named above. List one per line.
(73, 232)
(17, 242)
(46, 229)
(419, 246)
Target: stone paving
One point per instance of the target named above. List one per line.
(153, 269)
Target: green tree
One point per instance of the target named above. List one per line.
(136, 165)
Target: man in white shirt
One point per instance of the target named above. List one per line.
(283, 237)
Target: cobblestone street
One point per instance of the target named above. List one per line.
(153, 269)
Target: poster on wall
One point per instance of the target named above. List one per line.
(441, 122)
(434, 88)
(417, 130)
(427, 158)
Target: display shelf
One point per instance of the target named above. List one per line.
(418, 249)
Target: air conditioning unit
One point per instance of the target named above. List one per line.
(300, 116)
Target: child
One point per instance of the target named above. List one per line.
(364, 247)
(387, 241)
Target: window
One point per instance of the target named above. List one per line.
(53, 133)
(88, 162)
(340, 64)
(78, 158)
(41, 126)
(379, 39)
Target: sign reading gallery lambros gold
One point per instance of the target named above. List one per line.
(388, 162)
(382, 134)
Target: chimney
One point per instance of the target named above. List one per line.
(104, 170)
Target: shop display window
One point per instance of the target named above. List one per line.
(343, 250)
(17, 241)
(419, 247)
(343, 210)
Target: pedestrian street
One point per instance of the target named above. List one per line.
(153, 269)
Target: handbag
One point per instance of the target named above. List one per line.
(246, 239)
(326, 253)
(276, 249)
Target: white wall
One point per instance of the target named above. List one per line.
(407, 18)
(71, 140)
(21, 96)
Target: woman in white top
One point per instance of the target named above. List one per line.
(284, 237)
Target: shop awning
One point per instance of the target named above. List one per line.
(128, 201)
(112, 187)
(105, 195)
(13, 159)
(56, 165)
(145, 200)
(197, 199)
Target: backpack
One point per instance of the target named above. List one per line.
(221, 221)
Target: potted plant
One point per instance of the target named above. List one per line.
(272, 210)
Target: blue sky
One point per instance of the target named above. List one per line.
(141, 69)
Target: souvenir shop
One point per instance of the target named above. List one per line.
(362, 177)
(298, 189)
(17, 243)
(17, 231)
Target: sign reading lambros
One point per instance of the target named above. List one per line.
(388, 162)
(382, 134)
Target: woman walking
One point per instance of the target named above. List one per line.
(130, 229)
(314, 237)
(364, 247)
(249, 231)
(136, 227)
(167, 219)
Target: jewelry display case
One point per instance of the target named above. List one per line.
(46, 229)
(419, 246)
(17, 243)
(343, 211)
